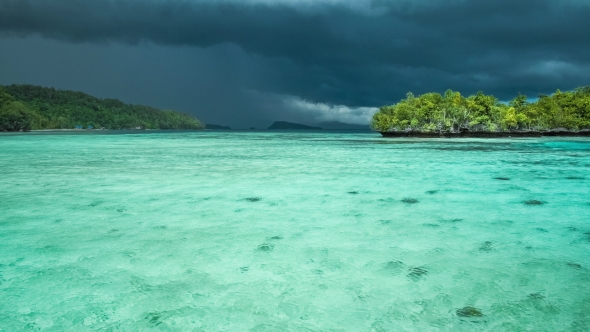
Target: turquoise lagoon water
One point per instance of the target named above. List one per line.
(292, 231)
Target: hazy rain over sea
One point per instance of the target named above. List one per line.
(293, 231)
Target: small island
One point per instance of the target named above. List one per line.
(28, 107)
(480, 115)
(289, 125)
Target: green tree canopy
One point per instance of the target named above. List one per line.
(451, 112)
(26, 107)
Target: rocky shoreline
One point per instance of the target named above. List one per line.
(486, 134)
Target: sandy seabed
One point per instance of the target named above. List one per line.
(293, 231)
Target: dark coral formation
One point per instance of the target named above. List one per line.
(417, 272)
(393, 267)
(486, 246)
(536, 296)
(266, 247)
(574, 265)
(469, 312)
(533, 202)
(410, 200)
(451, 220)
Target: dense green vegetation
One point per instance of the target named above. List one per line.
(26, 107)
(451, 112)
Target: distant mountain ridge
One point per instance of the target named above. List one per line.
(329, 125)
(214, 126)
(291, 125)
(336, 125)
(26, 107)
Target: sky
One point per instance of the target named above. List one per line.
(249, 63)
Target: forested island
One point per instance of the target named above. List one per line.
(480, 115)
(28, 107)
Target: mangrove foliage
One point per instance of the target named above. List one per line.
(28, 107)
(453, 113)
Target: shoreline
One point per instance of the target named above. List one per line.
(93, 131)
(487, 134)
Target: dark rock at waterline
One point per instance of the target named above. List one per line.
(485, 134)
(253, 199)
(266, 247)
(502, 178)
(463, 133)
(533, 202)
(469, 312)
(410, 200)
(417, 272)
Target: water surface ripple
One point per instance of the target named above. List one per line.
(293, 231)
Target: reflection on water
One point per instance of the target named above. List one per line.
(289, 231)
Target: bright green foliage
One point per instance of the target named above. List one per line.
(15, 116)
(451, 112)
(26, 107)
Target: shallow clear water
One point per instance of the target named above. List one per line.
(292, 231)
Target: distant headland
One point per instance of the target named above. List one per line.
(337, 125)
(28, 107)
(291, 125)
(329, 125)
(479, 115)
(214, 126)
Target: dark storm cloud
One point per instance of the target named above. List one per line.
(364, 53)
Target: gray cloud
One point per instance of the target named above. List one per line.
(358, 54)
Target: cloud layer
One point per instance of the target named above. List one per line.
(353, 53)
